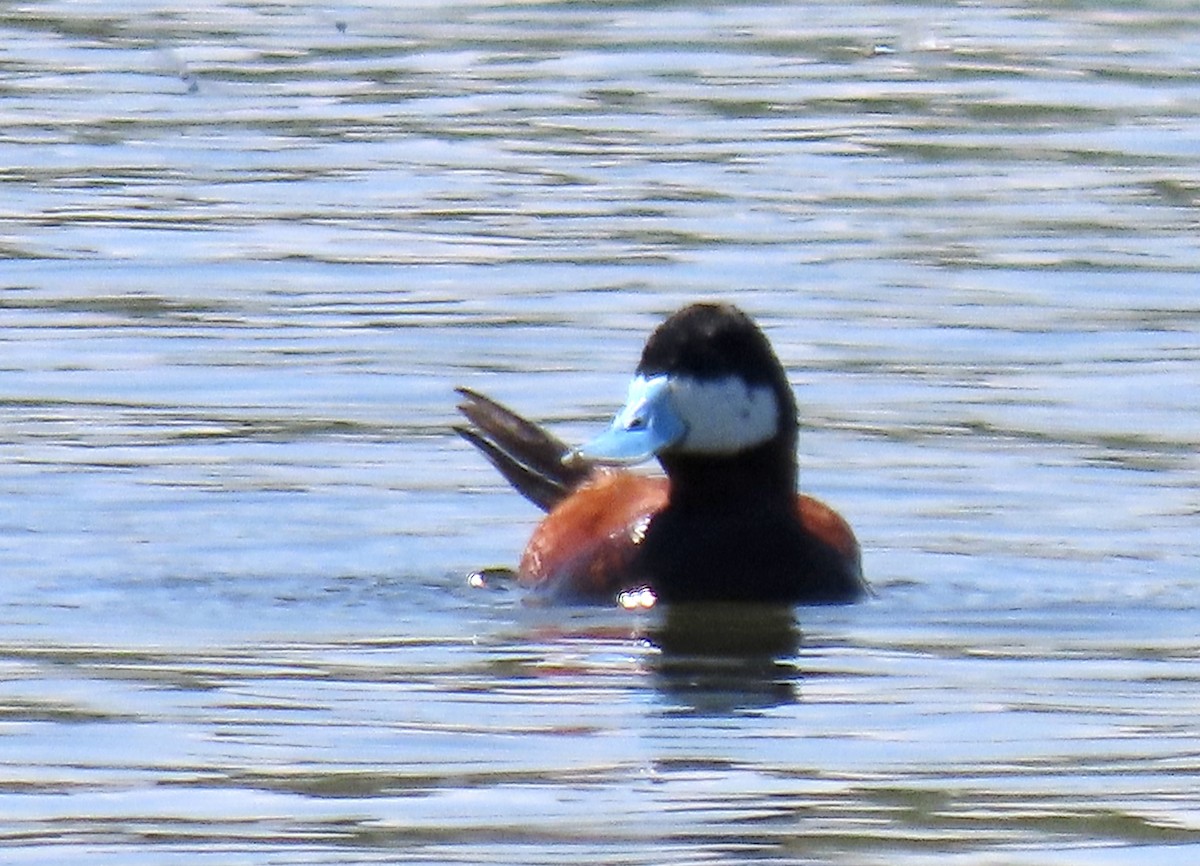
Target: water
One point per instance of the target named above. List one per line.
(250, 248)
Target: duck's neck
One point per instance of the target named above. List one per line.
(754, 479)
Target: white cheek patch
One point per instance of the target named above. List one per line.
(723, 416)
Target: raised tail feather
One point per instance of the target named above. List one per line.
(529, 458)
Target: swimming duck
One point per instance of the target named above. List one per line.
(711, 401)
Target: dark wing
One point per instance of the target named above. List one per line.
(530, 459)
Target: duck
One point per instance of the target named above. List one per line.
(723, 522)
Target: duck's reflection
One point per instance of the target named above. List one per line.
(722, 658)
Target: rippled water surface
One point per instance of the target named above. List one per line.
(249, 249)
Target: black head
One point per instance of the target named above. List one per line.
(709, 398)
(713, 341)
(721, 349)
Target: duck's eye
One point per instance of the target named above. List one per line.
(637, 422)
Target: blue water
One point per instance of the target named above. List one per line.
(248, 251)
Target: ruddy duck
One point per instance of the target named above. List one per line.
(712, 402)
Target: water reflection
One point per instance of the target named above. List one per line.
(701, 660)
(721, 658)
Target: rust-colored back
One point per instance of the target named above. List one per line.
(585, 545)
(824, 523)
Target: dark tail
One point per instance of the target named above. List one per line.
(533, 461)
